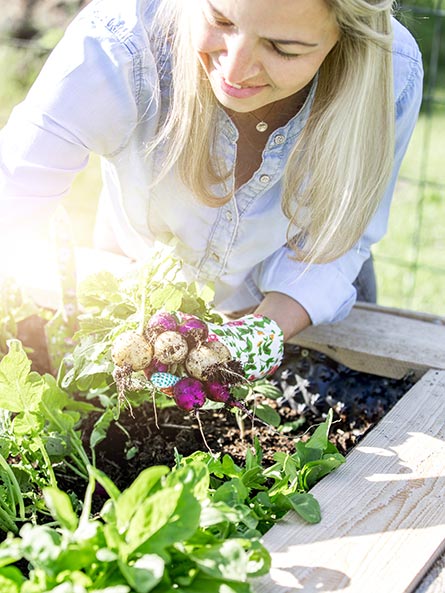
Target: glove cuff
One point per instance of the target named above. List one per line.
(255, 340)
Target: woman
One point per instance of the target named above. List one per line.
(264, 139)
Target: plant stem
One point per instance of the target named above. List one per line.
(13, 487)
(49, 465)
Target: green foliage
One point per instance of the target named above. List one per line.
(196, 527)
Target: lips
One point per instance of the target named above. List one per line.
(237, 91)
(231, 89)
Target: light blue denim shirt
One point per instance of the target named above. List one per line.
(101, 91)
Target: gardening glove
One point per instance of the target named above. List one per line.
(254, 342)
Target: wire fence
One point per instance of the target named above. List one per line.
(410, 261)
(419, 204)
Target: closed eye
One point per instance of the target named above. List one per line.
(282, 53)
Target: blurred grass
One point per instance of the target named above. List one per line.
(410, 260)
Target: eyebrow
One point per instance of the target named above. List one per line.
(277, 41)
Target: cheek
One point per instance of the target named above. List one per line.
(295, 75)
(205, 39)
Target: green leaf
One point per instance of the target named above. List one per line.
(112, 490)
(195, 474)
(313, 471)
(27, 423)
(267, 414)
(219, 512)
(131, 498)
(166, 297)
(168, 516)
(59, 504)
(265, 387)
(11, 580)
(100, 428)
(103, 286)
(10, 551)
(222, 560)
(144, 574)
(319, 439)
(232, 492)
(306, 506)
(20, 390)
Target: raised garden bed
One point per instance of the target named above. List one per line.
(383, 511)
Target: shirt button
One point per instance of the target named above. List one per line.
(229, 215)
(279, 139)
(264, 179)
(215, 257)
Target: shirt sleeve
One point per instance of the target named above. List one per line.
(84, 100)
(326, 290)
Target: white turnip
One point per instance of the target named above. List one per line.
(131, 350)
(170, 348)
(202, 358)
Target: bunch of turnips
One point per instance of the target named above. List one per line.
(192, 360)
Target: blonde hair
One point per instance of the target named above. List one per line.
(340, 165)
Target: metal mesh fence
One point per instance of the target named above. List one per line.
(410, 261)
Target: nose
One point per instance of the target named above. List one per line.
(238, 61)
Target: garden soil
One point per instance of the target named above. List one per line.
(310, 384)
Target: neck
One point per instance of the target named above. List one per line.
(275, 114)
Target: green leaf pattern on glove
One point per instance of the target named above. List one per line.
(256, 341)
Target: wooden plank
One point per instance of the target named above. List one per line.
(383, 511)
(379, 342)
(434, 582)
(421, 315)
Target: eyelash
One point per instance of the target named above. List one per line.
(218, 23)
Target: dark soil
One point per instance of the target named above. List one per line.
(310, 384)
(359, 401)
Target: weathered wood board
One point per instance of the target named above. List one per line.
(383, 511)
(434, 582)
(383, 343)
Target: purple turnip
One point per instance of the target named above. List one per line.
(131, 350)
(170, 347)
(218, 392)
(194, 330)
(163, 321)
(189, 394)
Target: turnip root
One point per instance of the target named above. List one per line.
(189, 394)
(170, 347)
(221, 394)
(212, 362)
(202, 358)
(221, 350)
(194, 330)
(218, 392)
(155, 367)
(130, 350)
(163, 321)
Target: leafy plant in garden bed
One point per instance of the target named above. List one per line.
(194, 527)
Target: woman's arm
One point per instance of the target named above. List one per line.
(286, 311)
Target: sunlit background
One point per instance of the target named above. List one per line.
(410, 261)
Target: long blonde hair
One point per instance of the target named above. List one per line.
(340, 165)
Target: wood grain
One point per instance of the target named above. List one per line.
(383, 511)
(376, 341)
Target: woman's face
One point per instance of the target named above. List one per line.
(255, 52)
